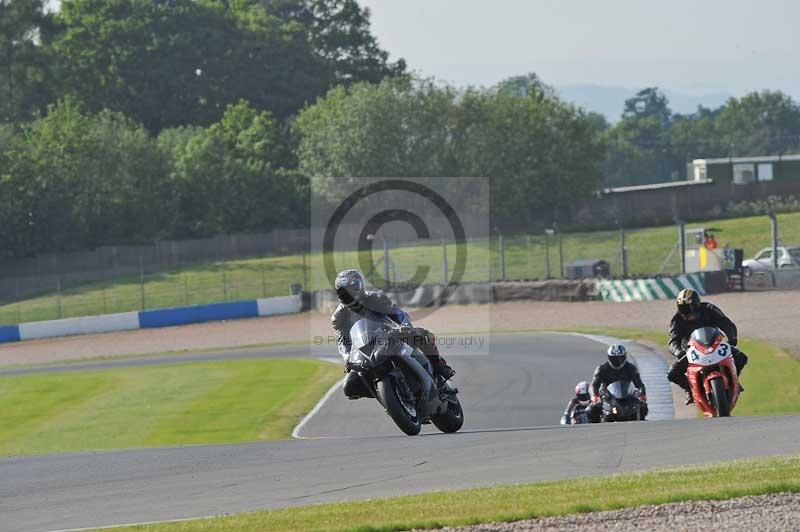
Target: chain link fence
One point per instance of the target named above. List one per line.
(527, 256)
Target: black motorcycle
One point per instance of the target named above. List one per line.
(578, 416)
(401, 378)
(621, 403)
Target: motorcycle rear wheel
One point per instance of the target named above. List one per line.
(722, 405)
(407, 421)
(452, 420)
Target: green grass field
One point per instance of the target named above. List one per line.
(186, 403)
(270, 276)
(514, 503)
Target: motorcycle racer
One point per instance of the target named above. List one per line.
(354, 302)
(616, 368)
(578, 403)
(693, 314)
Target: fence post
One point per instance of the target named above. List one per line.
(116, 297)
(264, 279)
(105, 303)
(623, 252)
(305, 269)
(386, 278)
(682, 244)
(528, 246)
(445, 272)
(773, 220)
(501, 252)
(58, 297)
(560, 252)
(16, 298)
(547, 233)
(234, 286)
(141, 282)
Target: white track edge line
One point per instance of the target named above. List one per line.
(317, 407)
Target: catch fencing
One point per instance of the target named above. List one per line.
(539, 255)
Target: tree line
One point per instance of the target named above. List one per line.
(652, 144)
(133, 120)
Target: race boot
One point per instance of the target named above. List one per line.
(440, 367)
(683, 382)
(354, 387)
(689, 397)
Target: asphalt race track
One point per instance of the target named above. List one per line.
(513, 391)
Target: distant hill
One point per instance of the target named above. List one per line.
(610, 101)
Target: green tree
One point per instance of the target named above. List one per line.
(639, 149)
(339, 31)
(23, 63)
(227, 177)
(182, 62)
(394, 129)
(540, 152)
(760, 123)
(649, 102)
(695, 136)
(76, 180)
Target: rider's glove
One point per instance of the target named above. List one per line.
(420, 336)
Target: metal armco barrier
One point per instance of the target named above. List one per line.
(649, 289)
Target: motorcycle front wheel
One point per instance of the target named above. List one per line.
(453, 419)
(396, 398)
(720, 398)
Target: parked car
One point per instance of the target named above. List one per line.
(788, 257)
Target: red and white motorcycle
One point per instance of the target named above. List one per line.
(712, 374)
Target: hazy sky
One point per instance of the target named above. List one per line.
(696, 46)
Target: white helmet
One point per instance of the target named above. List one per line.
(617, 355)
(582, 393)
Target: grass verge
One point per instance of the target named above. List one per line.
(184, 403)
(514, 503)
(525, 257)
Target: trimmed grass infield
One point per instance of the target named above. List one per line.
(177, 404)
(514, 503)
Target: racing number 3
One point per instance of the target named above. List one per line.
(723, 350)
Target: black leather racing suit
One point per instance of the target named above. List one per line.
(681, 328)
(343, 319)
(604, 375)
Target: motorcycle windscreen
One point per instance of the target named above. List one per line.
(705, 335)
(365, 332)
(621, 389)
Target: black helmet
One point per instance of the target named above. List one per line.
(617, 355)
(688, 302)
(350, 286)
